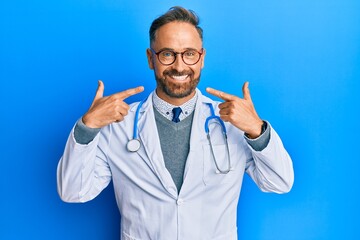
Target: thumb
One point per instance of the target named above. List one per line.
(246, 91)
(100, 90)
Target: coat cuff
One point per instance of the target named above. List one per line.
(261, 142)
(84, 134)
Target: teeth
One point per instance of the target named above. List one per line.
(180, 78)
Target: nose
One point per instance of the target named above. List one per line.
(179, 64)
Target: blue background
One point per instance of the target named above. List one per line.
(301, 57)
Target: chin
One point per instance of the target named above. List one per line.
(177, 89)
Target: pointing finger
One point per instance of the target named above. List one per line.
(130, 92)
(219, 94)
(246, 91)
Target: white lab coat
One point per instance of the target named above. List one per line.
(150, 206)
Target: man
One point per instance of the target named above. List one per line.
(174, 182)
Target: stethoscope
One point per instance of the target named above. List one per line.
(223, 128)
(134, 144)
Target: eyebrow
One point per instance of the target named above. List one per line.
(173, 50)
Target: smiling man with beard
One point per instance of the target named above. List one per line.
(175, 174)
(177, 73)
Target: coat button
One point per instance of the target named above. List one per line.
(179, 201)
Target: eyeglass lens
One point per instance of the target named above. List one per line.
(190, 57)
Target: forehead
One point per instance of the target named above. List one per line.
(177, 35)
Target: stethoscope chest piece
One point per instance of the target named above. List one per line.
(133, 145)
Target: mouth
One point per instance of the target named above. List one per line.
(180, 78)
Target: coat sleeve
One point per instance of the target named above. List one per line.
(83, 171)
(271, 168)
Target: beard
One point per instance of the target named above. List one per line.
(177, 89)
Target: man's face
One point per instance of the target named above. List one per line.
(177, 80)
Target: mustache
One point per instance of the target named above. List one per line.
(174, 72)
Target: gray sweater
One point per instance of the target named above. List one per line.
(175, 144)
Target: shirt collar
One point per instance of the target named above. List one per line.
(165, 108)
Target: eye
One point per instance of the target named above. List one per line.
(166, 54)
(190, 53)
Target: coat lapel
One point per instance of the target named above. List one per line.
(194, 163)
(151, 148)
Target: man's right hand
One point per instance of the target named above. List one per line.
(106, 110)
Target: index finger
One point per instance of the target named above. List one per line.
(130, 92)
(220, 94)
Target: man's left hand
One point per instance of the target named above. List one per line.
(240, 112)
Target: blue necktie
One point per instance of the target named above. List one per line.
(176, 113)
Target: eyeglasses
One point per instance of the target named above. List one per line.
(168, 57)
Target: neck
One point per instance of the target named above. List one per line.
(173, 100)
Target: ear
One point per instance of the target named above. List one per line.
(203, 58)
(150, 58)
